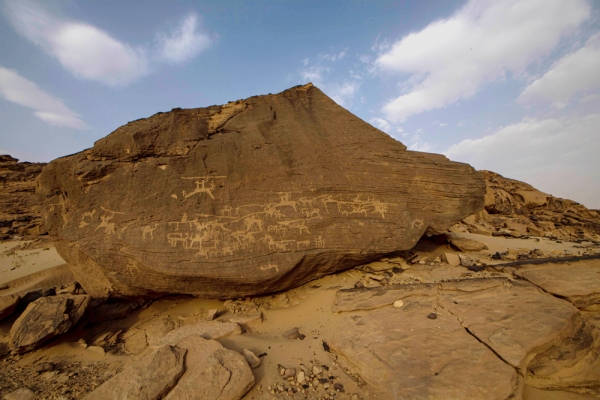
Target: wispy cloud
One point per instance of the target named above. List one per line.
(343, 89)
(559, 156)
(184, 43)
(91, 53)
(451, 58)
(576, 72)
(21, 91)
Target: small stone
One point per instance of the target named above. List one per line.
(212, 314)
(432, 315)
(97, 350)
(253, 361)
(339, 387)
(300, 378)
(43, 367)
(398, 304)
(293, 334)
(317, 370)
(289, 373)
(82, 343)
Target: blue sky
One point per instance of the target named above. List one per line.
(512, 86)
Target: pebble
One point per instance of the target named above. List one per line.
(432, 315)
(212, 314)
(293, 333)
(317, 370)
(300, 378)
(289, 373)
(97, 350)
(398, 304)
(253, 361)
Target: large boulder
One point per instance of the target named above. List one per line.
(46, 318)
(255, 196)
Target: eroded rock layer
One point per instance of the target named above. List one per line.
(513, 208)
(19, 207)
(252, 197)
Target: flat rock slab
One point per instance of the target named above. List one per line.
(514, 318)
(147, 333)
(150, 378)
(211, 372)
(205, 329)
(577, 282)
(402, 354)
(407, 340)
(362, 300)
(46, 318)
(256, 196)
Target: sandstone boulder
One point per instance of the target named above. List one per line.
(256, 196)
(212, 372)
(46, 318)
(150, 378)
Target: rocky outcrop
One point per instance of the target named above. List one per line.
(514, 209)
(46, 318)
(255, 196)
(19, 206)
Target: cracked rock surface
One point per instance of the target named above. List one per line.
(473, 338)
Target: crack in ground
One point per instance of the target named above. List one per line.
(482, 342)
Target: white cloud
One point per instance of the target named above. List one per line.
(420, 146)
(451, 58)
(90, 53)
(21, 91)
(590, 98)
(576, 72)
(558, 156)
(343, 93)
(184, 43)
(342, 90)
(381, 124)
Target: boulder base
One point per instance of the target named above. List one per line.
(256, 196)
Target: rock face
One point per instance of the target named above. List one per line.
(252, 197)
(514, 208)
(46, 318)
(19, 206)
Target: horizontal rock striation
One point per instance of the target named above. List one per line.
(255, 196)
(19, 206)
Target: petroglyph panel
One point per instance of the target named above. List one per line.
(277, 227)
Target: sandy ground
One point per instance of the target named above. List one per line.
(307, 308)
(16, 263)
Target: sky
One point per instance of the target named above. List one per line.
(511, 86)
